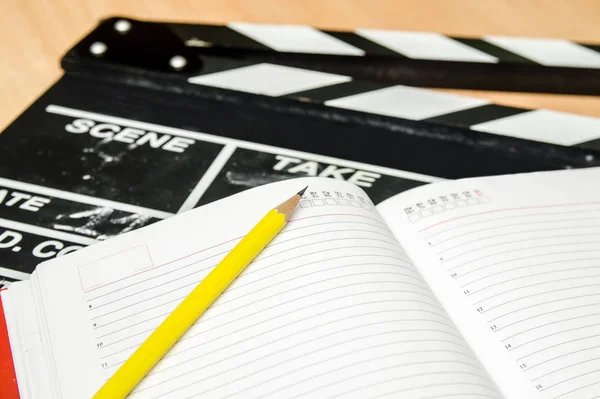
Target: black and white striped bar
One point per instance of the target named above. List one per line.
(405, 57)
(402, 44)
(409, 103)
(422, 59)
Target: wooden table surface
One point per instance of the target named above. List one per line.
(35, 34)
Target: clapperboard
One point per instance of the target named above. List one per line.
(153, 119)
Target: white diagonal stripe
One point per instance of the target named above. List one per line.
(406, 102)
(546, 126)
(550, 52)
(295, 39)
(269, 79)
(425, 45)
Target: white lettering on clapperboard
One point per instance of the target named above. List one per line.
(311, 168)
(129, 135)
(27, 202)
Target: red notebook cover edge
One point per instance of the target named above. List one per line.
(8, 378)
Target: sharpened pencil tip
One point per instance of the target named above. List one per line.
(302, 191)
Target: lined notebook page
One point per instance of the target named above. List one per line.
(523, 255)
(332, 308)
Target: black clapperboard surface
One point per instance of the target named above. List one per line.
(153, 119)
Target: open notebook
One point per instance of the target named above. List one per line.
(477, 288)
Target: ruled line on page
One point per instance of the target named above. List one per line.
(566, 367)
(470, 365)
(576, 389)
(205, 377)
(543, 314)
(181, 297)
(306, 264)
(434, 243)
(237, 286)
(558, 357)
(328, 312)
(559, 344)
(544, 303)
(521, 249)
(537, 284)
(507, 210)
(345, 286)
(548, 324)
(535, 275)
(463, 274)
(552, 335)
(163, 369)
(536, 288)
(356, 274)
(502, 243)
(318, 299)
(234, 239)
(287, 230)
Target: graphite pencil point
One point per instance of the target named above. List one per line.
(302, 191)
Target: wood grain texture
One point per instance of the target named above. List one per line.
(34, 34)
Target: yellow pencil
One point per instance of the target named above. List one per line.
(195, 304)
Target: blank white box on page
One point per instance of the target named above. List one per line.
(425, 213)
(305, 204)
(330, 201)
(461, 203)
(318, 202)
(414, 217)
(344, 202)
(438, 209)
(449, 205)
(114, 267)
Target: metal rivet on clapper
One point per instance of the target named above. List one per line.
(98, 48)
(122, 26)
(589, 157)
(178, 62)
